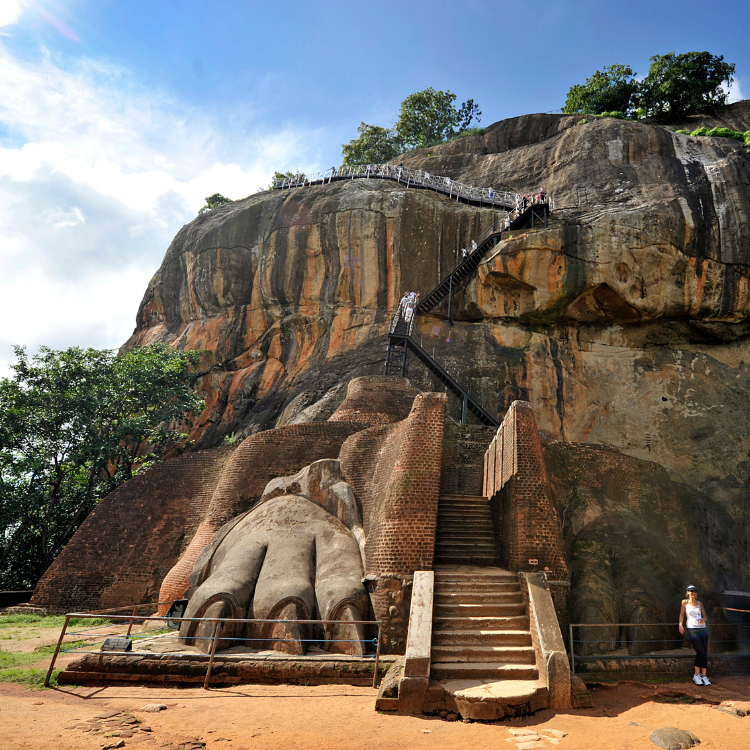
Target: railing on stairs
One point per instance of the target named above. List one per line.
(536, 210)
(397, 363)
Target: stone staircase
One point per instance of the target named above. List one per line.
(482, 651)
(465, 532)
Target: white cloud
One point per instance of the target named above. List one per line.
(9, 12)
(735, 92)
(97, 173)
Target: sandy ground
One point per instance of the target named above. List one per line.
(333, 717)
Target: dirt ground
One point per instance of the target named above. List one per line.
(333, 717)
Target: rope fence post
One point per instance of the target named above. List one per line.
(213, 654)
(57, 651)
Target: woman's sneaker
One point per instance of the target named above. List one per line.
(697, 679)
(705, 679)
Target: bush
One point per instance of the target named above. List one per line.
(719, 133)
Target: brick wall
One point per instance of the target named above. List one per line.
(395, 473)
(517, 483)
(126, 546)
(376, 400)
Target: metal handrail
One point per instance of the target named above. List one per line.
(418, 177)
(219, 625)
(630, 624)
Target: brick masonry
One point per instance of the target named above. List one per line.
(517, 483)
(147, 534)
(126, 546)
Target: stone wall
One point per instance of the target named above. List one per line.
(126, 546)
(521, 499)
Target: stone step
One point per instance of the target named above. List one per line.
(477, 597)
(474, 510)
(479, 610)
(488, 670)
(484, 575)
(466, 542)
(478, 587)
(464, 498)
(463, 559)
(460, 654)
(470, 550)
(481, 638)
(514, 622)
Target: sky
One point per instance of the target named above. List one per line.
(118, 117)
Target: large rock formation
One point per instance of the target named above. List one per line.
(624, 323)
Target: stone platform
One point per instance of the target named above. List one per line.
(162, 660)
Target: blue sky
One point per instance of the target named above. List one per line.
(117, 118)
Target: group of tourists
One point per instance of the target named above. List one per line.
(466, 253)
(408, 305)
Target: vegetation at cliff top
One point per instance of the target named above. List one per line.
(676, 85)
(212, 201)
(719, 133)
(425, 118)
(74, 424)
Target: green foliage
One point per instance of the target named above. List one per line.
(281, 176)
(678, 85)
(719, 133)
(425, 118)
(375, 145)
(608, 90)
(217, 199)
(617, 115)
(74, 424)
(29, 677)
(430, 116)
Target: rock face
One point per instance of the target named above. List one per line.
(624, 322)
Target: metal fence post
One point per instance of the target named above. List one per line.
(572, 653)
(377, 660)
(57, 651)
(213, 653)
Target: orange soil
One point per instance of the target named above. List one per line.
(339, 716)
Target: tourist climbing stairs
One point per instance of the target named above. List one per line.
(466, 266)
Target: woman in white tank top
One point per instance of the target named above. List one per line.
(697, 629)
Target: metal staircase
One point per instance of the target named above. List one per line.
(401, 344)
(530, 215)
(400, 341)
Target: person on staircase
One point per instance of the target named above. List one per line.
(411, 305)
(473, 246)
(464, 254)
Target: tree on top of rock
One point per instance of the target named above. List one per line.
(428, 116)
(679, 85)
(375, 145)
(217, 199)
(611, 89)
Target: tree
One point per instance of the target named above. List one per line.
(611, 89)
(281, 176)
(428, 116)
(217, 199)
(73, 425)
(375, 145)
(678, 85)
